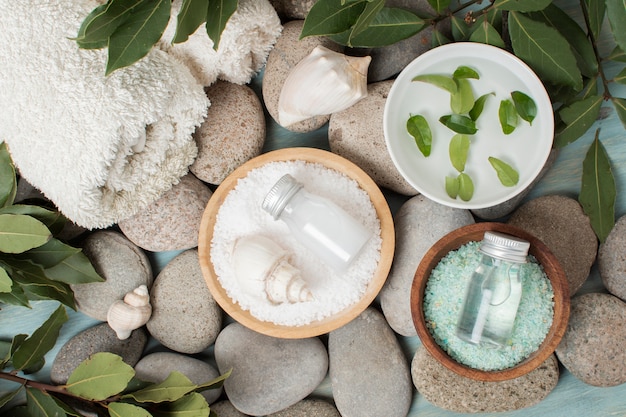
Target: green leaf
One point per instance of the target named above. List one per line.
(617, 54)
(175, 386)
(452, 187)
(463, 100)
(621, 77)
(5, 281)
(459, 123)
(36, 285)
(42, 404)
(16, 297)
(478, 107)
(77, 269)
(507, 175)
(329, 17)
(616, 11)
(372, 8)
(460, 29)
(7, 397)
(486, 33)
(595, 11)
(545, 50)
(192, 14)
(51, 218)
(215, 383)
(33, 349)
(464, 71)
(100, 24)
(597, 191)
(418, 127)
(191, 405)
(578, 118)
(620, 108)
(134, 38)
(97, 44)
(508, 116)
(50, 253)
(521, 5)
(8, 183)
(590, 88)
(440, 6)
(458, 150)
(466, 187)
(19, 233)
(442, 81)
(525, 106)
(217, 17)
(102, 375)
(127, 410)
(389, 26)
(438, 38)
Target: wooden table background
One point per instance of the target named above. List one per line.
(571, 397)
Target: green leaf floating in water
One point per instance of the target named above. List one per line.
(458, 149)
(508, 116)
(464, 71)
(442, 81)
(452, 187)
(463, 100)
(525, 106)
(466, 187)
(459, 123)
(418, 127)
(507, 175)
(478, 107)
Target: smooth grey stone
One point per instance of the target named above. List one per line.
(173, 221)
(612, 260)
(368, 371)
(560, 223)
(225, 408)
(156, 367)
(448, 390)
(357, 134)
(592, 348)
(268, 374)
(233, 132)
(100, 338)
(419, 224)
(185, 316)
(292, 9)
(308, 408)
(122, 264)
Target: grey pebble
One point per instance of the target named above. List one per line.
(100, 338)
(225, 408)
(173, 221)
(233, 132)
(357, 134)
(122, 264)
(268, 374)
(592, 348)
(419, 224)
(612, 260)
(368, 371)
(448, 390)
(185, 316)
(292, 9)
(156, 367)
(308, 408)
(560, 223)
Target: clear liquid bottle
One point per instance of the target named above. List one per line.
(494, 292)
(319, 224)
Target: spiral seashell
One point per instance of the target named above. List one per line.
(262, 268)
(131, 313)
(324, 82)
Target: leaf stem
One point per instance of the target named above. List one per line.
(605, 82)
(42, 386)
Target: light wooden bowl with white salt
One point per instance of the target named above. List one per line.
(314, 327)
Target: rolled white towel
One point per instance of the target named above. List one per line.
(100, 148)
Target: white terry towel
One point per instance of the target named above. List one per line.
(100, 148)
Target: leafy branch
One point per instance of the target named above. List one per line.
(562, 53)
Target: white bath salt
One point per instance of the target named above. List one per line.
(241, 215)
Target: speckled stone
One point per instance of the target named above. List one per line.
(592, 348)
(233, 132)
(156, 367)
(357, 134)
(100, 338)
(225, 408)
(269, 374)
(185, 316)
(292, 9)
(287, 52)
(173, 221)
(368, 371)
(446, 389)
(419, 223)
(120, 262)
(560, 223)
(308, 408)
(612, 260)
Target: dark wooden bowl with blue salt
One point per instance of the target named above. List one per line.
(553, 270)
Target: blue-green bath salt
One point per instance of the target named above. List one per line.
(443, 301)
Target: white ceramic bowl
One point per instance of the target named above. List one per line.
(526, 149)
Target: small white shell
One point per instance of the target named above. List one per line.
(131, 313)
(262, 268)
(324, 82)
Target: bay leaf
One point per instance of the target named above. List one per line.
(463, 100)
(617, 54)
(372, 8)
(452, 187)
(590, 88)
(442, 81)
(525, 106)
(460, 29)
(100, 24)
(215, 383)
(330, 17)
(597, 191)
(578, 117)
(485, 33)
(621, 77)
(440, 6)
(192, 404)
(418, 127)
(8, 183)
(521, 5)
(620, 108)
(50, 253)
(34, 283)
(507, 175)
(438, 38)
(218, 14)
(616, 12)
(41, 404)
(101, 376)
(118, 409)
(596, 11)
(76, 269)
(174, 387)
(191, 15)
(478, 107)
(6, 283)
(51, 218)
(508, 116)
(459, 123)
(458, 150)
(16, 297)
(466, 187)
(8, 396)
(19, 233)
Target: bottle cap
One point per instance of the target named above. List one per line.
(505, 247)
(280, 194)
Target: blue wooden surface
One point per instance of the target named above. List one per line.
(570, 398)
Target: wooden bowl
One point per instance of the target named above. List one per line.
(332, 322)
(544, 256)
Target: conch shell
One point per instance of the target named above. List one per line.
(131, 313)
(262, 268)
(324, 82)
